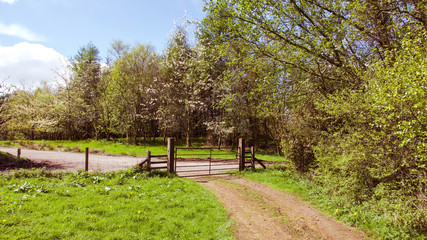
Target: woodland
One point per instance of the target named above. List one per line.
(338, 87)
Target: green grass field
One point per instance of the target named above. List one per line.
(120, 148)
(116, 205)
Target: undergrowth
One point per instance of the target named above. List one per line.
(370, 216)
(41, 204)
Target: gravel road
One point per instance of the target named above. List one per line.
(75, 161)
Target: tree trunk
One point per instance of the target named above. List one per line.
(164, 137)
(188, 138)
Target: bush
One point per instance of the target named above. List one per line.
(375, 150)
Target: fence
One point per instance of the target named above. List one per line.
(173, 161)
(55, 160)
(205, 164)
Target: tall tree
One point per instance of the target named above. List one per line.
(83, 92)
(131, 90)
(180, 96)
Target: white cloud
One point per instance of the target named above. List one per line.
(29, 64)
(9, 1)
(20, 32)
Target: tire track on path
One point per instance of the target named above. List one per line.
(261, 212)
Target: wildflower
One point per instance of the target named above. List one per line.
(23, 220)
(355, 214)
(139, 211)
(336, 210)
(4, 220)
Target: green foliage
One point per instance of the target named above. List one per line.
(131, 90)
(116, 205)
(30, 114)
(82, 93)
(378, 149)
(350, 100)
(338, 86)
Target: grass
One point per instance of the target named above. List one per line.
(121, 148)
(117, 205)
(363, 216)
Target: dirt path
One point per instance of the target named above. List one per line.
(261, 212)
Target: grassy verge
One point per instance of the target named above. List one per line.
(363, 216)
(120, 148)
(117, 205)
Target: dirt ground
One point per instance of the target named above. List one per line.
(74, 161)
(258, 211)
(261, 212)
(70, 161)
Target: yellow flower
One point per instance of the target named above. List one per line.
(139, 211)
(4, 220)
(336, 210)
(23, 220)
(355, 213)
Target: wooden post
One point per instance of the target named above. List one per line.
(87, 160)
(171, 155)
(241, 153)
(210, 160)
(18, 155)
(253, 157)
(148, 160)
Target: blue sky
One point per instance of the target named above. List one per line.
(36, 35)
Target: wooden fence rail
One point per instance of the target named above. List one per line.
(172, 158)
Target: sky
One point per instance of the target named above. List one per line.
(37, 37)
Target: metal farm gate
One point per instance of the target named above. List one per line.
(186, 163)
(193, 164)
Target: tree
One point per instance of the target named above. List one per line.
(82, 94)
(180, 99)
(131, 90)
(31, 114)
(319, 48)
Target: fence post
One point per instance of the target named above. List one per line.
(210, 160)
(148, 160)
(18, 154)
(171, 155)
(241, 153)
(87, 159)
(253, 157)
